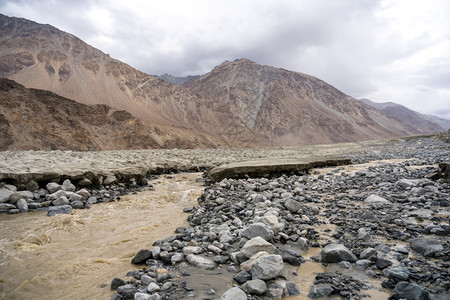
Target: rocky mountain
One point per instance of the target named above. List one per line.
(44, 57)
(238, 104)
(292, 108)
(414, 121)
(178, 80)
(32, 119)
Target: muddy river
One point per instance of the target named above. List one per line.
(76, 256)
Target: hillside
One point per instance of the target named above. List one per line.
(414, 121)
(292, 108)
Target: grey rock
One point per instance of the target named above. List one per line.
(192, 250)
(234, 293)
(32, 186)
(22, 205)
(68, 186)
(267, 267)
(60, 201)
(127, 291)
(257, 286)
(397, 273)
(334, 253)
(383, 263)
(156, 252)
(177, 257)
(258, 229)
(255, 245)
(142, 296)
(410, 291)
(91, 200)
(116, 282)
(4, 207)
(242, 277)
(376, 200)
(4, 194)
(362, 264)
(344, 264)
(146, 280)
(201, 262)
(84, 193)
(53, 187)
(75, 197)
(15, 196)
(292, 205)
(320, 291)
(109, 180)
(247, 265)
(271, 221)
(427, 246)
(56, 210)
(77, 204)
(56, 195)
(292, 289)
(276, 291)
(153, 287)
(141, 257)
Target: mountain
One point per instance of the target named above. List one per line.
(177, 79)
(44, 57)
(414, 121)
(292, 108)
(237, 104)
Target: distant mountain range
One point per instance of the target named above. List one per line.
(415, 121)
(237, 104)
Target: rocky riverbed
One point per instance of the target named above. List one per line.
(390, 220)
(380, 224)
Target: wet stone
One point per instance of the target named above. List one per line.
(141, 257)
(257, 286)
(234, 293)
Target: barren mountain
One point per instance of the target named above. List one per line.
(32, 119)
(292, 108)
(416, 122)
(44, 57)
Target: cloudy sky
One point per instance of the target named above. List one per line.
(383, 50)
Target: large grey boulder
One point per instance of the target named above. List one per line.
(234, 293)
(292, 205)
(267, 267)
(4, 194)
(22, 205)
(5, 207)
(256, 286)
(410, 291)
(257, 244)
(334, 253)
(55, 210)
(376, 200)
(258, 229)
(201, 262)
(271, 221)
(53, 187)
(68, 186)
(427, 246)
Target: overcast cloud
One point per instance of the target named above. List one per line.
(382, 50)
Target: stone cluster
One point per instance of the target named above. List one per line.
(391, 225)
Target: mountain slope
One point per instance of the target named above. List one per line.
(414, 121)
(292, 108)
(44, 57)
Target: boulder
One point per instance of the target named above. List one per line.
(271, 221)
(4, 194)
(247, 265)
(257, 244)
(68, 186)
(53, 187)
(320, 291)
(201, 262)
(376, 200)
(292, 205)
(334, 253)
(258, 229)
(55, 210)
(267, 267)
(32, 186)
(141, 257)
(397, 273)
(257, 286)
(22, 205)
(60, 201)
(234, 293)
(5, 207)
(410, 291)
(427, 246)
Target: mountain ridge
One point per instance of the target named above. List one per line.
(237, 104)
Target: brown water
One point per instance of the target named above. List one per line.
(76, 256)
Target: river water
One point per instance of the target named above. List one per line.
(76, 256)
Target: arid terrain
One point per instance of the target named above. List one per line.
(387, 212)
